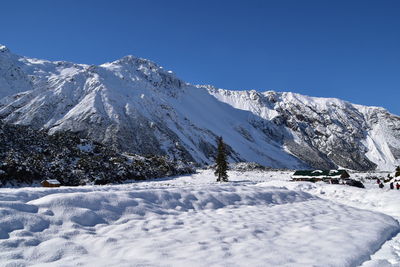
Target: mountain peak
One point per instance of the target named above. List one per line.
(133, 60)
(132, 67)
(4, 49)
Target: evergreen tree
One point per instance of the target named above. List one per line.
(221, 163)
(397, 171)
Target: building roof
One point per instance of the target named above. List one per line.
(319, 173)
(53, 181)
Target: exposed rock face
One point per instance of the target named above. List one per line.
(136, 106)
(323, 132)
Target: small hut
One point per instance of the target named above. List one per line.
(50, 183)
(330, 176)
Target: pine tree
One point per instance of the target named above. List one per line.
(220, 160)
(397, 171)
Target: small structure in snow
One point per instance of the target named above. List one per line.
(51, 183)
(393, 178)
(327, 176)
(352, 182)
(330, 176)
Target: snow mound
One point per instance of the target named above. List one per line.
(91, 208)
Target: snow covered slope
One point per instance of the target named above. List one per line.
(136, 106)
(325, 132)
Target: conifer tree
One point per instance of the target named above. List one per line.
(221, 163)
(397, 171)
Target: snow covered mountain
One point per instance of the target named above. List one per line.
(325, 131)
(136, 106)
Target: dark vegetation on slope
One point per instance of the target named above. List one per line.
(28, 156)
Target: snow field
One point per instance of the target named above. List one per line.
(374, 199)
(191, 221)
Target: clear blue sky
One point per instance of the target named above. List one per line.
(347, 49)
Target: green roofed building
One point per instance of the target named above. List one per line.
(331, 176)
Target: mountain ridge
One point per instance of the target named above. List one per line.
(137, 106)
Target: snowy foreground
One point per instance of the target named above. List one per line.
(257, 219)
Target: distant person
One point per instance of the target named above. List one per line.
(381, 185)
(397, 186)
(391, 185)
(378, 181)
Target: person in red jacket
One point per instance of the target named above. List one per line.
(398, 186)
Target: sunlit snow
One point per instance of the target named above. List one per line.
(256, 219)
